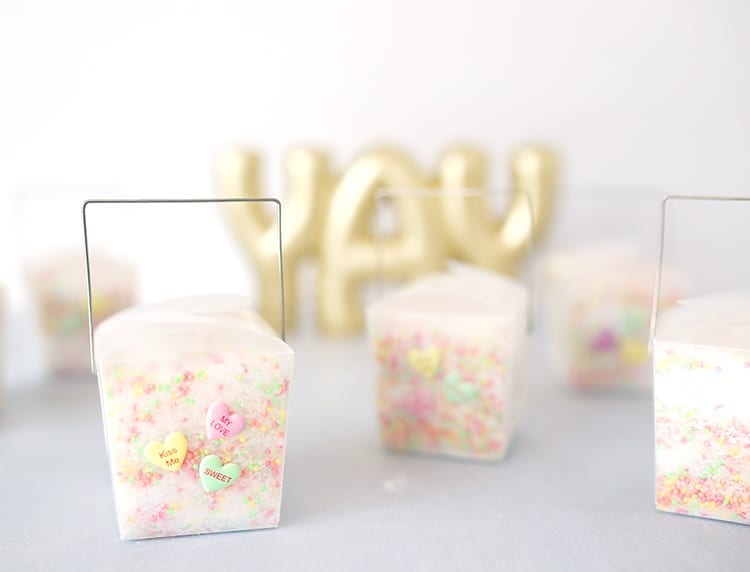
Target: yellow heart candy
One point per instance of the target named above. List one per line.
(424, 361)
(633, 351)
(168, 455)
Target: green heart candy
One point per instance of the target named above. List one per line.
(458, 391)
(633, 321)
(215, 476)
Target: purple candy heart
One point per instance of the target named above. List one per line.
(604, 341)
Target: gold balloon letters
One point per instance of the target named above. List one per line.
(329, 217)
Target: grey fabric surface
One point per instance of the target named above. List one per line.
(575, 492)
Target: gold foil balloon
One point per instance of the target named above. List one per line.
(332, 219)
(350, 255)
(473, 234)
(536, 171)
(462, 168)
(303, 217)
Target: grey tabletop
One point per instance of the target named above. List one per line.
(574, 493)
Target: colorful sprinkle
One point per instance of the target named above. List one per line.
(702, 421)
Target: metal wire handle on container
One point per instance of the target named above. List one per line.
(529, 258)
(176, 201)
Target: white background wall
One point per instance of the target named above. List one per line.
(141, 94)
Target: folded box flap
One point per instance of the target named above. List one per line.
(186, 326)
(719, 320)
(463, 291)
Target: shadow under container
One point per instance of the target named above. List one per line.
(194, 399)
(450, 352)
(701, 363)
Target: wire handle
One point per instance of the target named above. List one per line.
(528, 258)
(657, 286)
(176, 201)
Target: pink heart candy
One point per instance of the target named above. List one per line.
(220, 422)
(420, 404)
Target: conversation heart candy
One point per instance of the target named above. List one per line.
(634, 351)
(459, 391)
(424, 361)
(604, 341)
(221, 422)
(215, 476)
(168, 454)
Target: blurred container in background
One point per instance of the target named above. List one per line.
(52, 259)
(596, 287)
(58, 288)
(450, 347)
